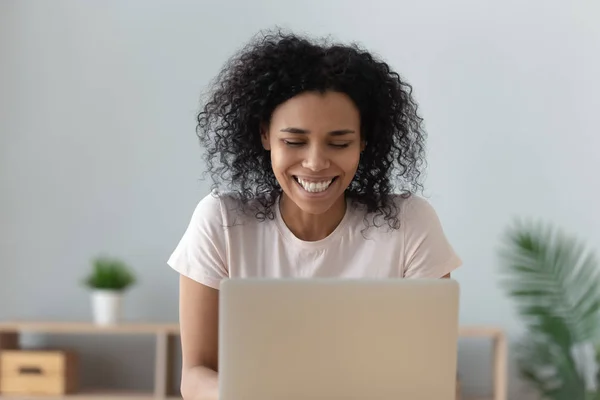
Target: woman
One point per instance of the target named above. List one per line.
(311, 139)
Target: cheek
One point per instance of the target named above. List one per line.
(349, 163)
(280, 161)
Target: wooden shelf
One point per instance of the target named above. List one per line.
(165, 328)
(92, 395)
(166, 335)
(90, 328)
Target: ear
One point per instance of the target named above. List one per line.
(363, 144)
(265, 137)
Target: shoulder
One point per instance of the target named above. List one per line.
(417, 217)
(210, 204)
(223, 209)
(407, 210)
(427, 250)
(414, 209)
(209, 210)
(201, 253)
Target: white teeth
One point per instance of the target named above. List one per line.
(314, 187)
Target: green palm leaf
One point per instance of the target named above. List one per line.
(550, 369)
(550, 274)
(555, 282)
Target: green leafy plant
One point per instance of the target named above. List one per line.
(109, 274)
(554, 280)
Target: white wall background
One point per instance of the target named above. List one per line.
(98, 150)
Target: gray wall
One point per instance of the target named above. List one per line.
(98, 151)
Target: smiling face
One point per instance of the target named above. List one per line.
(315, 146)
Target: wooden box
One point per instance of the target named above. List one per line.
(37, 372)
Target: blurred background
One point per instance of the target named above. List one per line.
(98, 152)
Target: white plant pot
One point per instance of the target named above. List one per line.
(106, 306)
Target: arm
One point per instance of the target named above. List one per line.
(200, 260)
(198, 314)
(428, 253)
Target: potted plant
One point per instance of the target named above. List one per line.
(109, 279)
(554, 280)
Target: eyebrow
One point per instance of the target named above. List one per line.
(301, 131)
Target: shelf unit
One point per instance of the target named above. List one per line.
(167, 337)
(499, 357)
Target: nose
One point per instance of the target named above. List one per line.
(316, 159)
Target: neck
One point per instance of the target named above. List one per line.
(311, 227)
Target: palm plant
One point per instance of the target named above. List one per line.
(554, 280)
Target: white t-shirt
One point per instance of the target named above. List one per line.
(220, 242)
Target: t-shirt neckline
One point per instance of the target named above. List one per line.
(337, 233)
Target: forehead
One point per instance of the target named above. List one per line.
(317, 111)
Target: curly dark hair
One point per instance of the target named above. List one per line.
(274, 67)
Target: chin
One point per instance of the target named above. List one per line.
(312, 207)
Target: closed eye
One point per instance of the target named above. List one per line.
(292, 143)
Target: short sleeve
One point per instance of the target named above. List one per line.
(428, 253)
(201, 252)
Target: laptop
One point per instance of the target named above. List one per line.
(338, 339)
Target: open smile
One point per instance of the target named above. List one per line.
(314, 186)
